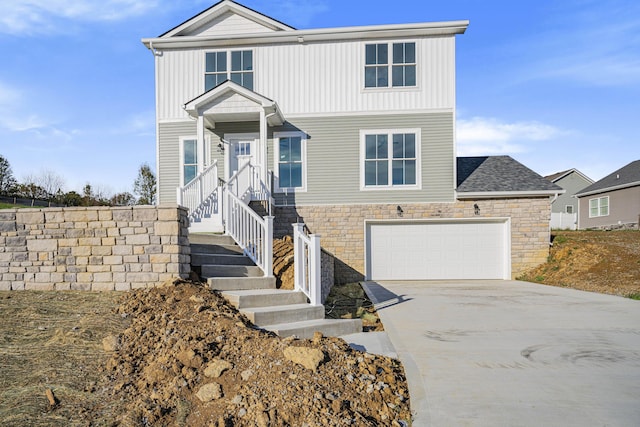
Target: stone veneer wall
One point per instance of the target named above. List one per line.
(342, 227)
(93, 248)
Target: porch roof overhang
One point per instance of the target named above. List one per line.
(231, 102)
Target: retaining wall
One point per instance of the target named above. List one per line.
(93, 248)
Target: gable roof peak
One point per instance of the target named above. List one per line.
(219, 9)
(626, 176)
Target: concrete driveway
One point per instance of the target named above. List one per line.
(507, 353)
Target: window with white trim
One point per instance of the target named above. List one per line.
(390, 158)
(401, 68)
(568, 209)
(290, 152)
(234, 65)
(189, 160)
(599, 207)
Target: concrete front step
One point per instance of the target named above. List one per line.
(206, 225)
(306, 329)
(239, 271)
(283, 314)
(198, 259)
(241, 283)
(264, 298)
(216, 249)
(211, 239)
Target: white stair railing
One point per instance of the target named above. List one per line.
(252, 233)
(307, 264)
(194, 195)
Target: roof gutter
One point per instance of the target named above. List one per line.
(321, 34)
(607, 189)
(507, 194)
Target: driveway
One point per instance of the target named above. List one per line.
(507, 353)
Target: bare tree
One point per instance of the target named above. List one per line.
(48, 180)
(7, 181)
(145, 185)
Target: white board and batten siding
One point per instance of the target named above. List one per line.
(230, 24)
(461, 249)
(316, 78)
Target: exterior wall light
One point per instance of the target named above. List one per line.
(476, 209)
(399, 210)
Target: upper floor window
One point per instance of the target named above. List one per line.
(390, 158)
(568, 209)
(599, 207)
(234, 65)
(401, 67)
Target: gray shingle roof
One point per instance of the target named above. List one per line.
(625, 176)
(499, 174)
(556, 175)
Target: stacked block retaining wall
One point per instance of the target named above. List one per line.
(93, 248)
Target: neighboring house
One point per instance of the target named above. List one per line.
(349, 130)
(612, 202)
(564, 209)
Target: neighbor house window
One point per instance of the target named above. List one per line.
(234, 65)
(390, 158)
(380, 65)
(290, 155)
(599, 207)
(568, 209)
(189, 160)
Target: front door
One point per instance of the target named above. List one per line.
(242, 150)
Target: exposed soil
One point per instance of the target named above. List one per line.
(597, 261)
(179, 355)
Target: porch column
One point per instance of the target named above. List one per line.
(202, 160)
(262, 156)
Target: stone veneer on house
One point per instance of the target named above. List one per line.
(342, 228)
(93, 248)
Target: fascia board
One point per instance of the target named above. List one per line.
(506, 194)
(315, 35)
(608, 189)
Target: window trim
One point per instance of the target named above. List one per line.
(229, 70)
(418, 139)
(276, 162)
(389, 66)
(600, 206)
(200, 165)
(566, 209)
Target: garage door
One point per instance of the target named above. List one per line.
(438, 250)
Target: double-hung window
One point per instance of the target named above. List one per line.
(234, 65)
(400, 65)
(390, 158)
(290, 155)
(599, 207)
(189, 160)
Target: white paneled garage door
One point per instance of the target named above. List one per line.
(438, 250)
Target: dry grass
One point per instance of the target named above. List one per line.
(53, 340)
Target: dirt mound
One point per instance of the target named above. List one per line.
(597, 261)
(283, 263)
(190, 359)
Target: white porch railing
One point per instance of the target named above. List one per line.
(203, 187)
(306, 263)
(252, 233)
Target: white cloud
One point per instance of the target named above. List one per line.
(489, 136)
(594, 43)
(28, 17)
(139, 124)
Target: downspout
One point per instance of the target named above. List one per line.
(555, 197)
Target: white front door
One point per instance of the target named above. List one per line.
(242, 150)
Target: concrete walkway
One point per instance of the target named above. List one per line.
(507, 353)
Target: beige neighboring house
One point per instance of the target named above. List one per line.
(350, 130)
(613, 202)
(564, 209)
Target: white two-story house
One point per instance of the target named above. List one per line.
(349, 130)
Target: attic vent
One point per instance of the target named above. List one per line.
(618, 176)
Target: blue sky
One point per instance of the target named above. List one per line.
(553, 84)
